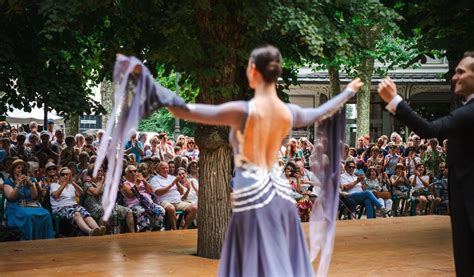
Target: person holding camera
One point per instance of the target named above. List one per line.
(22, 209)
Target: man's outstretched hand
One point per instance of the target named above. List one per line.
(387, 90)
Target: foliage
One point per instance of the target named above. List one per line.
(163, 120)
(442, 25)
(45, 59)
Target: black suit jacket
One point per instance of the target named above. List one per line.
(458, 127)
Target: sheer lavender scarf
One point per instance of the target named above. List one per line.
(130, 106)
(325, 164)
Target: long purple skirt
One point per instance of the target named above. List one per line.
(266, 241)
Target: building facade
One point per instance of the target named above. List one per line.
(425, 88)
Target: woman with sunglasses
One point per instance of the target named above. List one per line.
(63, 203)
(191, 150)
(22, 210)
(137, 195)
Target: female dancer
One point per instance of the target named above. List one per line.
(264, 237)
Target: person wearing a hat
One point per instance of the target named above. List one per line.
(22, 209)
(50, 129)
(64, 204)
(46, 150)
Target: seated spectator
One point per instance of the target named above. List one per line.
(352, 186)
(50, 177)
(80, 141)
(432, 158)
(33, 126)
(13, 135)
(132, 159)
(166, 151)
(399, 185)
(310, 185)
(59, 140)
(69, 153)
(81, 167)
(292, 151)
(93, 189)
(172, 166)
(170, 196)
(188, 185)
(376, 157)
(4, 148)
(20, 150)
(307, 148)
(99, 136)
(33, 142)
(292, 176)
(153, 151)
(22, 210)
(88, 146)
(399, 181)
(193, 170)
(135, 147)
(411, 160)
(420, 183)
(191, 150)
(378, 186)
(441, 188)
(45, 150)
(64, 204)
(392, 159)
(137, 195)
(50, 129)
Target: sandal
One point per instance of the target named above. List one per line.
(95, 232)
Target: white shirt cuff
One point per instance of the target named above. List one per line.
(392, 105)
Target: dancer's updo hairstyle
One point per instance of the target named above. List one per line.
(267, 60)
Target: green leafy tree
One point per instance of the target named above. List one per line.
(442, 25)
(163, 120)
(43, 63)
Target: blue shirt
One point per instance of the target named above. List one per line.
(135, 150)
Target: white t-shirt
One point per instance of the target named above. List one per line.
(192, 196)
(346, 179)
(172, 196)
(67, 197)
(419, 184)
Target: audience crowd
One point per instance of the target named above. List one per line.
(49, 190)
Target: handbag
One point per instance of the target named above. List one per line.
(385, 195)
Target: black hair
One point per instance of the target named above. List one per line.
(267, 60)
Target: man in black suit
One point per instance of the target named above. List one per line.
(458, 127)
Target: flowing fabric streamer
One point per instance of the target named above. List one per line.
(326, 164)
(131, 104)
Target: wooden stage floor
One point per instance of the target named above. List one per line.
(404, 246)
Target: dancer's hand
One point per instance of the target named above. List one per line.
(387, 90)
(355, 85)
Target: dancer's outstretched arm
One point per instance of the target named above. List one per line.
(306, 116)
(231, 114)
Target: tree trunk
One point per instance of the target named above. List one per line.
(72, 125)
(107, 100)
(214, 177)
(334, 81)
(218, 31)
(364, 71)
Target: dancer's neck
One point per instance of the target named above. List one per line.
(265, 90)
